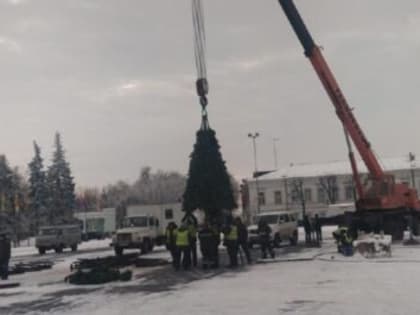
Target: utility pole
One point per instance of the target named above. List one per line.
(275, 140)
(254, 136)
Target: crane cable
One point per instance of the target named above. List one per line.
(200, 57)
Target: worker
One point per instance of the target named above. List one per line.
(243, 239)
(205, 235)
(192, 229)
(183, 248)
(5, 253)
(214, 245)
(171, 231)
(264, 234)
(308, 229)
(344, 241)
(318, 229)
(231, 242)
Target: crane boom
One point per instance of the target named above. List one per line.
(382, 204)
(343, 110)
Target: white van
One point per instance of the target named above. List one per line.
(283, 224)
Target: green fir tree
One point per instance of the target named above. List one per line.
(38, 191)
(62, 199)
(208, 186)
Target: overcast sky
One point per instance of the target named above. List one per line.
(116, 78)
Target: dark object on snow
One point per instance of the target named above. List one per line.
(109, 262)
(9, 285)
(20, 268)
(106, 269)
(98, 275)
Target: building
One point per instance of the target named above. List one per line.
(324, 188)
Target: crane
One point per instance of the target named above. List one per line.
(382, 203)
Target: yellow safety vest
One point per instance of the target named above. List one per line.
(233, 234)
(182, 238)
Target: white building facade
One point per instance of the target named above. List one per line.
(325, 188)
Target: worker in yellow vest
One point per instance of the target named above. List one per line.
(231, 242)
(183, 252)
(192, 224)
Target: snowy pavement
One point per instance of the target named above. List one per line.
(300, 281)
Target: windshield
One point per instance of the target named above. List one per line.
(135, 222)
(270, 219)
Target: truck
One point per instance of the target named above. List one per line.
(141, 232)
(382, 203)
(97, 224)
(58, 237)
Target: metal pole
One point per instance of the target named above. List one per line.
(254, 145)
(275, 152)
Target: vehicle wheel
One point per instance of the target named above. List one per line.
(152, 245)
(276, 241)
(59, 249)
(74, 247)
(41, 250)
(294, 238)
(118, 250)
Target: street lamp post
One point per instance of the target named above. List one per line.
(254, 136)
(275, 140)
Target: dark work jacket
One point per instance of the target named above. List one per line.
(5, 250)
(264, 232)
(242, 233)
(206, 237)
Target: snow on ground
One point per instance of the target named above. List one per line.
(300, 281)
(32, 250)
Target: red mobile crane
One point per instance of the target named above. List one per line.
(382, 204)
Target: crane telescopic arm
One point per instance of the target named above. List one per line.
(343, 110)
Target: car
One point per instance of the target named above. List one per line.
(283, 224)
(58, 237)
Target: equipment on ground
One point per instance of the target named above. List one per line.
(382, 203)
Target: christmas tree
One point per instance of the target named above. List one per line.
(208, 186)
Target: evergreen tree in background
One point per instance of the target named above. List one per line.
(60, 185)
(7, 187)
(208, 186)
(38, 192)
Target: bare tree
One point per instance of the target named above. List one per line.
(330, 187)
(298, 194)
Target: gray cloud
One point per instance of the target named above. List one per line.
(117, 79)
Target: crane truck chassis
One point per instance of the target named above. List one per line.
(382, 204)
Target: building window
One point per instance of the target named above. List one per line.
(308, 194)
(261, 198)
(349, 193)
(169, 214)
(277, 197)
(321, 195)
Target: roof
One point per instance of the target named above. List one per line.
(264, 213)
(335, 168)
